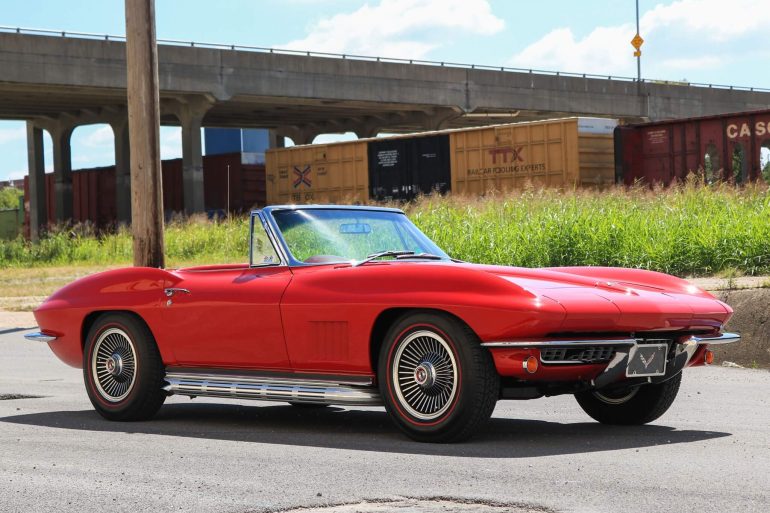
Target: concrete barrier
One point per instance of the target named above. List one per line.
(752, 312)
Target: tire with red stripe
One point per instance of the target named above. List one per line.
(122, 368)
(437, 382)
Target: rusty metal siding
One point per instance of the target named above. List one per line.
(667, 151)
(94, 197)
(246, 183)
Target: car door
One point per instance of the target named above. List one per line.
(227, 318)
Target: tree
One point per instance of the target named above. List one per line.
(9, 198)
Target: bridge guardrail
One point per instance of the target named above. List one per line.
(395, 60)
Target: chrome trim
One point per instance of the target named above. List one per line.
(114, 365)
(277, 247)
(558, 343)
(39, 337)
(577, 362)
(171, 291)
(270, 389)
(724, 338)
(425, 352)
(616, 369)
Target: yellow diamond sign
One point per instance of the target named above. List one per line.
(637, 41)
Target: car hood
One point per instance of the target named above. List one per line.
(625, 299)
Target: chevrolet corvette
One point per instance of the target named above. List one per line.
(355, 306)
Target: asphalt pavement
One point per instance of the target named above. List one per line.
(709, 453)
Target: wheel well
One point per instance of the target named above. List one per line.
(385, 320)
(92, 317)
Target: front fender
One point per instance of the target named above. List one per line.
(138, 290)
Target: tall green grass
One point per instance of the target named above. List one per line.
(685, 230)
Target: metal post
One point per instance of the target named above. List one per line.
(639, 57)
(228, 191)
(144, 133)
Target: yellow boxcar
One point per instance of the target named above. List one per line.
(555, 153)
(561, 153)
(318, 173)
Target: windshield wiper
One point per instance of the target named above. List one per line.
(380, 254)
(399, 255)
(427, 256)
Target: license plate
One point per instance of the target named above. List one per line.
(647, 360)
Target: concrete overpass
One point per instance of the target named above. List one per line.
(58, 83)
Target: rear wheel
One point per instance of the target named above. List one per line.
(437, 382)
(632, 405)
(122, 368)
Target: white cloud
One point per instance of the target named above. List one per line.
(99, 137)
(704, 62)
(596, 53)
(607, 50)
(13, 134)
(715, 20)
(332, 138)
(170, 142)
(399, 28)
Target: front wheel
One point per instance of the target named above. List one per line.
(437, 382)
(631, 405)
(122, 368)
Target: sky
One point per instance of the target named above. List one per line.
(707, 41)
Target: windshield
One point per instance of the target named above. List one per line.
(330, 235)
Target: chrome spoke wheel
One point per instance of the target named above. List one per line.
(425, 375)
(113, 365)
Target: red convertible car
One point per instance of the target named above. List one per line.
(355, 306)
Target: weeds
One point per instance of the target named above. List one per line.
(683, 230)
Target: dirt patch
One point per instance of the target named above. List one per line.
(752, 311)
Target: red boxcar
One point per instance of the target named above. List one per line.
(94, 200)
(727, 147)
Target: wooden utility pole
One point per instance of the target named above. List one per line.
(144, 133)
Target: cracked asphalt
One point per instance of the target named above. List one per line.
(709, 453)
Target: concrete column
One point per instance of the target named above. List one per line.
(439, 118)
(38, 212)
(276, 139)
(192, 164)
(122, 170)
(300, 135)
(367, 131)
(62, 168)
(190, 110)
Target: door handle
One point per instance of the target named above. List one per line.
(170, 292)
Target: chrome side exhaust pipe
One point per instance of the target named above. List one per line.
(271, 389)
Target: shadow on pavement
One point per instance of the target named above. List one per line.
(8, 331)
(368, 430)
